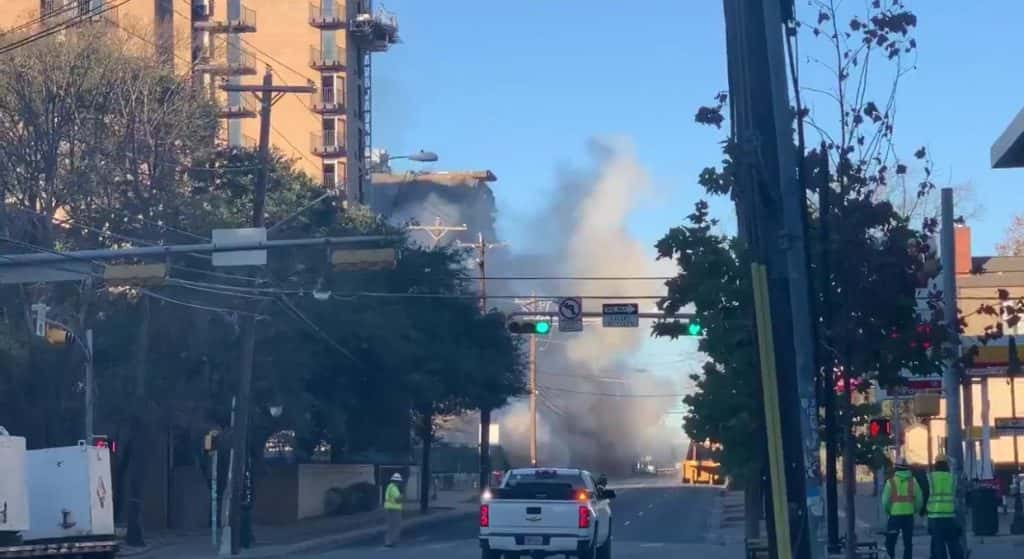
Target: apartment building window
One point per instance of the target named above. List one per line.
(85, 7)
(330, 133)
(329, 182)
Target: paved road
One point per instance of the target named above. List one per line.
(651, 521)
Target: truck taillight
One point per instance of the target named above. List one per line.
(485, 516)
(584, 517)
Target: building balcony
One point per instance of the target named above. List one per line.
(244, 66)
(329, 16)
(328, 101)
(375, 32)
(246, 107)
(244, 23)
(329, 145)
(327, 61)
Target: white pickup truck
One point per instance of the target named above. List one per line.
(538, 512)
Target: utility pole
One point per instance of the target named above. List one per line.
(267, 94)
(533, 400)
(1013, 368)
(951, 376)
(481, 248)
(770, 219)
(90, 395)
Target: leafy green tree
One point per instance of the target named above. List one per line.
(726, 406)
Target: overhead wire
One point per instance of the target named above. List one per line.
(609, 394)
(43, 16)
(61, 26)
(298, 314)
(127, 238)
(200, 306)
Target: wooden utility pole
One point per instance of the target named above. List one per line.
(267, 94)
(533, 400)
(771, 223)
(481, 248)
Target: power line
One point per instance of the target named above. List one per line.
(62, 26)
(610, 395)
(316, 329)
(43, 16)
(199, 306)
(489, 296)
(578, 278)
(126, 238)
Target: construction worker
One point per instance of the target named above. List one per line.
(902, 498)
(942, 523)
(393, 510)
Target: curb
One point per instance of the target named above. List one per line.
(325, 542)
(338, 540)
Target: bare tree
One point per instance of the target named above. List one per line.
(1013, 243)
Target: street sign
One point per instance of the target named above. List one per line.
(240, 257)
(350, 259)
(1010, 425)
(570, 314)
(620, 315)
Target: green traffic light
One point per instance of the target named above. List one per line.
(694, 329)
(542, 327)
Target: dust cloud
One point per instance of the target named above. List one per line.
(596, 408)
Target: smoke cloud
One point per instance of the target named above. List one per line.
(596, 410)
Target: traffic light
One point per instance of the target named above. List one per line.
(537, 327)
(879, 428)
(694, 329)
(103, 441)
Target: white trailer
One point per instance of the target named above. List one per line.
(55, 501)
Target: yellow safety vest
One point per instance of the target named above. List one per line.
(392, 497)
(902, 505)
(940, 498)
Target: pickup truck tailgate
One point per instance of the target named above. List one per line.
(534, 515)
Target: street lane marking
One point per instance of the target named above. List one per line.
(652, 545)
(626, 523)
(641, 513)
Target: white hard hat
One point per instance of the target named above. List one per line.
(396, 477)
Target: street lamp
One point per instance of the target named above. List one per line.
(382, 159)
(421, 156)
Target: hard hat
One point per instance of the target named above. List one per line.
(396, 477)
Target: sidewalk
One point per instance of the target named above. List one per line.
(307, 535)
(729, 514)
(870, 522)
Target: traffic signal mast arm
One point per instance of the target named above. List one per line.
(521, 315)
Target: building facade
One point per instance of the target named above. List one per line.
(326, 43)
(990, 390)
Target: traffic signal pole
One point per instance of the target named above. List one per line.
(951, 376)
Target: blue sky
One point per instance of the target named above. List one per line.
(520, 87)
